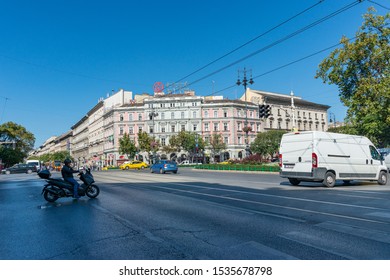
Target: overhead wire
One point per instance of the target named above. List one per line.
(284, 65)
(380, 5)
(250, 41)
(291, 35)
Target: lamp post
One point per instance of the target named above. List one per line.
(152, 115)
(245, 82)
(334, 118)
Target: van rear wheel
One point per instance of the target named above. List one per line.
(382, 180)
(330, 179)
(294, 181)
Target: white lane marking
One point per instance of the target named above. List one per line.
(276, 206)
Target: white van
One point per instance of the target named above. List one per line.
(35, 162)
(327, 157)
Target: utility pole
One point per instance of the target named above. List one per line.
(294, 128)
(245, 82)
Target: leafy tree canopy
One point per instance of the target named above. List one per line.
(267, 143)
(23, 140)
(127, 146)
(216, 144)
(361, 70)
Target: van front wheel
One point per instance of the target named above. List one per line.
(382, 180)
(330, 179)
(294, 181)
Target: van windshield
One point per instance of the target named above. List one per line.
(374, 153)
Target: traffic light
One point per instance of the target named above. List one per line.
(261, 111)
(267, 111)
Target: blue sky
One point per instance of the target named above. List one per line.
(57, 58)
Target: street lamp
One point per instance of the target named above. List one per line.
(152, 115)
(245, 82)
(334, 118)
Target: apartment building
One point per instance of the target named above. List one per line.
(96, 136)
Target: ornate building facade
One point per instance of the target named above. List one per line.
(95, 138)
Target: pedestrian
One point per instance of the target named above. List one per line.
(67, 173)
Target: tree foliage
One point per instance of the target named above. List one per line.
(216, 144)
(127, 146)
(361, 71)
(147, 143)
(267, 143)
(23, 140)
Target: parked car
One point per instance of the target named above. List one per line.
(20, 168)
(136, 164)
(164, 166)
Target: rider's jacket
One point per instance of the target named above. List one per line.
(67, 172)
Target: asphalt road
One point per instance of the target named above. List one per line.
(195, 215)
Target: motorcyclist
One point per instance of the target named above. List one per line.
(67, 173)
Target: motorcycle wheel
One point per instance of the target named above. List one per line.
(92, 191)
(50, 196)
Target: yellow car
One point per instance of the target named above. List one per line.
(136, 164)
(227, 162)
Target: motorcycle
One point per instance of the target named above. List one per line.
(57, 188)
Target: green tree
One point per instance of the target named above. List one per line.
(267, 143)
(15, 137)
(216, 144)
(127, 146)
(144, 141)
(361, 71)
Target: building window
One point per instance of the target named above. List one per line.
(206, 126)
(172, 115)
(258, 127)
(163, 141)
(206, 114)
(279, 112)
(172, 128)
(251, 114)
(131, 130)
(130, 116)
(163, 116)
(140, 129)
(163, 129)
(215, 126)
(207, 139)
(226, 140)
(225, 114)
(215, 114)
(121, 130)
(182, 115)
(270, 124)
(194, 114)
(279, 125)
(140, 117)
(239, 126)
(183, 127)
(225, 127)
(121, 117)
(239, 140)
(195, 127)
(151, 129)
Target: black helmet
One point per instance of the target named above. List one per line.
(67, 161)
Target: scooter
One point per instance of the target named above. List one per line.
(57, 188)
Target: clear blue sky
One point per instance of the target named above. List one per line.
(57, 58)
